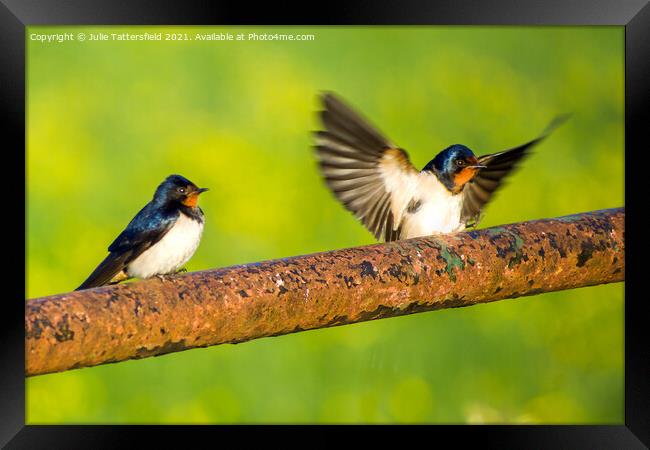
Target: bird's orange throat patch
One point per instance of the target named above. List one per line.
(465, 175)
(191, 200)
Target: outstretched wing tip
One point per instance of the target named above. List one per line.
(556, 122)
(328, 97)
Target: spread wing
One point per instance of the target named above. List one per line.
(146, 228)
(480, 190)
(366, 172)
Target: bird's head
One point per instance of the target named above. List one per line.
(178, 190)
(454, 166)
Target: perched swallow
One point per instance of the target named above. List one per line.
(159, 240)
(376, 181)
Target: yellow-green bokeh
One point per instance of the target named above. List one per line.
(107, 121)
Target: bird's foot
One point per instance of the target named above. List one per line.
(181, 270)
(161, 277)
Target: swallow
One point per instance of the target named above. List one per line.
(376, 181)
(159, 240)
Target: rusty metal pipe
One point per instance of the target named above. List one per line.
(239, 303)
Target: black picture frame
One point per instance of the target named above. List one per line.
(15, 15)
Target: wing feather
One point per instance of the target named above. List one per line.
(337, 145)
(350, 184)
(105, 271)
(362, 168)
(499, 165)
(145, 229)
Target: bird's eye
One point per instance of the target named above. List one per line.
(181, 190)
(460, 162)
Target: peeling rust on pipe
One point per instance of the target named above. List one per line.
(271, 298)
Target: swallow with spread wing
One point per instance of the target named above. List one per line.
(376, 181)
(159, 240)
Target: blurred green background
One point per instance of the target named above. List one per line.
(107, 121)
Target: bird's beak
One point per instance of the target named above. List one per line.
(477, 166)
(192, 198)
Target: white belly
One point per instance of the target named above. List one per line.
(439, 212)
(171, 252)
